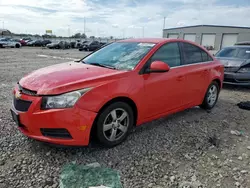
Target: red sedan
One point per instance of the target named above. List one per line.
(121, 85)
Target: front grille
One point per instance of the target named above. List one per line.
(26, 91)
(21, 105)
(229, 80)
(231, 69)
(56, 133)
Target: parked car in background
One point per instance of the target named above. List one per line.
(103, 43)
(236, 60)
(23, 42)
(90, 46)
(78, 44)
(82, 44)
(73, 44)
(143, 79)
(26, 38)
(8, 42)
(59, 45)
(45, 42)
(30, 43)
(38, 43)
(242, 43)
(35, 43)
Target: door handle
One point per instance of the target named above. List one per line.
(180, 78)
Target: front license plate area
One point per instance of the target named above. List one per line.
(15, 117)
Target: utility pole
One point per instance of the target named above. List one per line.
(123, 33)
(84, 27)
(3, 24)
(69, 32)
(164, 19)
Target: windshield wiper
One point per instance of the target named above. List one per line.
(102, 65)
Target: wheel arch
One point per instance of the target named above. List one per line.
(127, 100)
(218, 82)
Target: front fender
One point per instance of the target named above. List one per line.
(97, 97)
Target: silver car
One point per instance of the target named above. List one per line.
(8, 42)
(236, 60)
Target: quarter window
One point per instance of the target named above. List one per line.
(205, 56)
(168, 53)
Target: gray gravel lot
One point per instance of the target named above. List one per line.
(193, 148)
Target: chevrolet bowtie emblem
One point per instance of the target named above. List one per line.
(18, 94)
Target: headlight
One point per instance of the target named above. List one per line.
(244, 70)
(66, 100)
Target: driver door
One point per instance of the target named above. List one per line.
(164, 91)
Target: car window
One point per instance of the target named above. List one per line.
(120, 55)
(168, 53)
(227, 52)
(192, 54)
(205, 56)
(243, 53)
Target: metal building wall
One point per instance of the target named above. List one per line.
(243, 33)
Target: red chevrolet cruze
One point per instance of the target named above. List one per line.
(119, 86)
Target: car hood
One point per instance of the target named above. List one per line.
(232, 62)
(65, 77)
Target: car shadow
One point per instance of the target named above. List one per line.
(235, 87)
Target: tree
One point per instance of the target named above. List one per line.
(92, 37)
(111, 37)
(84, 36)
(77, 35)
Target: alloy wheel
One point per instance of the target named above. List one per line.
(212, 95)
(116, 124)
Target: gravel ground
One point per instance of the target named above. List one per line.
(193, 148)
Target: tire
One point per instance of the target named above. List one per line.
(117, 129)
(210, 101)
(17, 46)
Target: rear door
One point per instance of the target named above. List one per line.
(197, 65)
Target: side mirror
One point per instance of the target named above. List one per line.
(158, 66)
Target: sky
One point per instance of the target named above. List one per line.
(118, 18)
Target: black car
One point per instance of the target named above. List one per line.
(45, 42)
(72, 44)
(59, 45)
(35, 43)
(236, 60)
(90, 46)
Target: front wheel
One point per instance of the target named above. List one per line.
(114, 123)
(211, 96)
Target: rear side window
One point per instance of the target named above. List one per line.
(194, 54)
(205, 56)
(168, 53)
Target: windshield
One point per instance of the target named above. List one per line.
(239, 53)
(120, 55)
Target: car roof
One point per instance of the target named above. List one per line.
(152, 40)
(243, 43)
(238, 46)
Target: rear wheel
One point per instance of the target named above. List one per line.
(211, 96)
(114, 123)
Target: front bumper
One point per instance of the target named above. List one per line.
(32, 123)
(241, 79)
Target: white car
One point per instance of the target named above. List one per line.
(8, 42)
